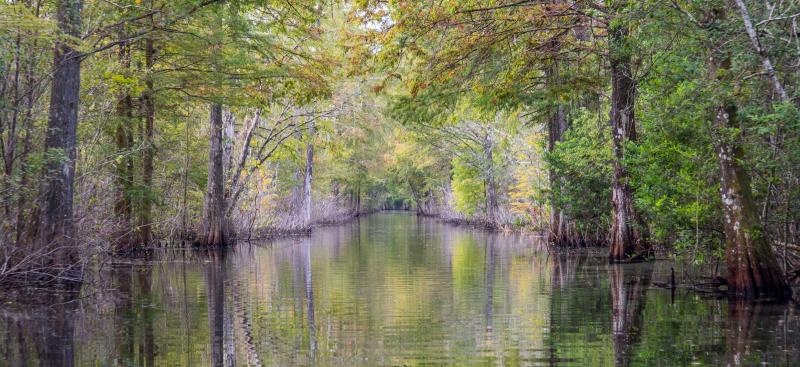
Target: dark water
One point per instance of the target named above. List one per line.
(392, 289)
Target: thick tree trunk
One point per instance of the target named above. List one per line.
(123, 167)
(214, 231)
(148, 153)
(308, 176)
(628, 235)
(753, 270)
(56, 228)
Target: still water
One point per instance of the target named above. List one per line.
(392, 289)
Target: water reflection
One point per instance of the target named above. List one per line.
(394, 289)
(42, 332)
(628, 288)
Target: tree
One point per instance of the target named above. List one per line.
(753, 270)
(628, 231)
(215, 231)
(56, 229)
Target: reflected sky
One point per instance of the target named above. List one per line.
(393, 289)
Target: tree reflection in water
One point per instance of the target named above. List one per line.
(42, 331)
(392, 290)
(628, 289)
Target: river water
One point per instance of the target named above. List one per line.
(392, 289)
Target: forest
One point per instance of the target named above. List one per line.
(399, 182)
(645, 127)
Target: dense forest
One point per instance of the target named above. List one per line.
(645, 126)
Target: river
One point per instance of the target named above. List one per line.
(392, 289)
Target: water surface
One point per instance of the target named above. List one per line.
(394, 290)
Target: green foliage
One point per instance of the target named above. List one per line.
(582, 160)
(468, 187)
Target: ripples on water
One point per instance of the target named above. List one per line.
(394, 289)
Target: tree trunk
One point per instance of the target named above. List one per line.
(557, 126)
(123, 177)
(628, 237)
(752, 32)
(56, 228)
(24, 196)
(214, 232)
(307, 179)
(491, 184)
(753, 270)
(148, 152)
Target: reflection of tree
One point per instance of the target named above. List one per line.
(147, 344)
(243, 320)
(132, 309)
(123, 312)
(745, 320)
(565, 267)
(215, 289)
(628, 301)
(312, 327)
(490, 264)
(43, 332)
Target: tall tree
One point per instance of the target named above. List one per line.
(307, 178)
(148, 151)
(56, 228)
(628, 233)
(753, 270)
(215, 230)
(123, 175)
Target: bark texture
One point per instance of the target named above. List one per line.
(628, 233)
(753, 269)
(215, 231)
(56, 227)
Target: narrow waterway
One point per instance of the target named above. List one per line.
(393, 289)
